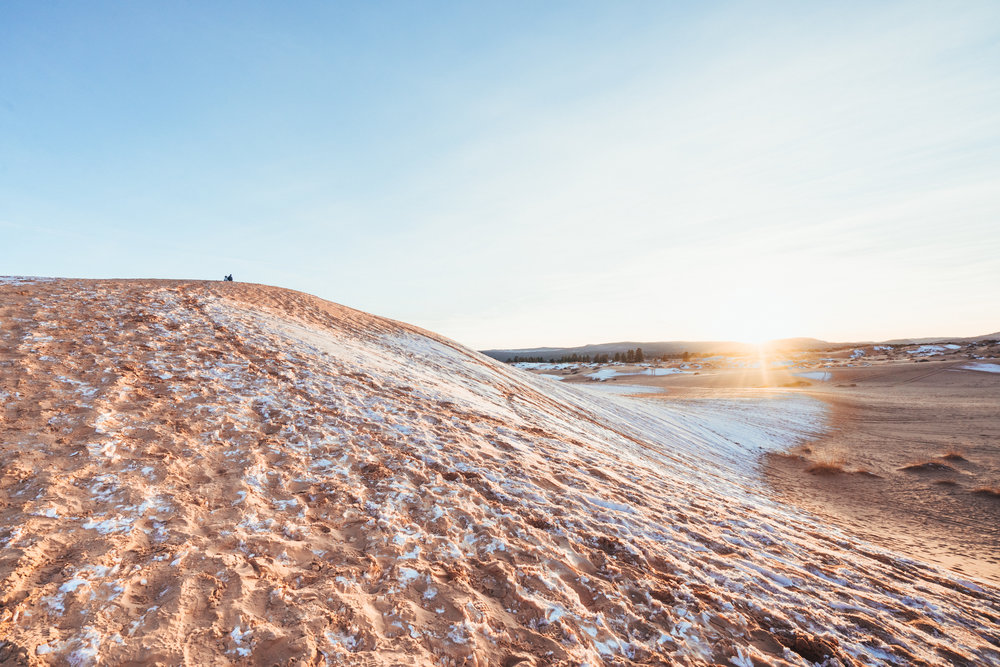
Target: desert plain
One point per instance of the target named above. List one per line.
(911, 457)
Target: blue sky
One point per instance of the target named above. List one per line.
(517, 174)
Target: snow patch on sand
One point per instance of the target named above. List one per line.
(928, 350)
(608, 373)
(983, 367)
(820, 376)
(622, 389)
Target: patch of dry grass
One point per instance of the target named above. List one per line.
(829, 462)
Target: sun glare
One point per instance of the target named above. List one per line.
(756, 317)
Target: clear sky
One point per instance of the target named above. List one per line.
(521, 173)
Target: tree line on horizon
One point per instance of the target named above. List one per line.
(631, 356)
(635, 356)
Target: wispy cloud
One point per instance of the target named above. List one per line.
(542, 174)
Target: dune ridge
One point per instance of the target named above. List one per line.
(206, 473)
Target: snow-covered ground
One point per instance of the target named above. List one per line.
(983, 367)
(621, 389)
(928, 350)
(210, 472)
(822, 376)
(545, 366)
(606, 373)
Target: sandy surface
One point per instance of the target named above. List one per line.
(912, 459)
(915, 453)
(208, 473)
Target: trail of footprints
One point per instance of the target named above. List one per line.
(252, 475)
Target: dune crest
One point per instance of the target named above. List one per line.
(205, 473)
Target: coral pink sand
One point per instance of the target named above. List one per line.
(204, 473)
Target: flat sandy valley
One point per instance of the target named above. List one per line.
(911, 460)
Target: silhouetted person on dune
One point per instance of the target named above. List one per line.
(228, 278)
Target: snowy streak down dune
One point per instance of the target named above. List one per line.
(206, 473)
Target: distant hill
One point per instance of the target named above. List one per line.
(801, 343)
(732, 348)
(927, 341)
(658, 349)
(649, 349)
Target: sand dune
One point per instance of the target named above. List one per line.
(206, 473)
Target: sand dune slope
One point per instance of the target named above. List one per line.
(206, 473)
